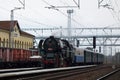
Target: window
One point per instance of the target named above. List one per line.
(4, 42)
(29, 45)
(25, 45)
(7, 43)
(15, 29)
(22, 44)
(0, 42)
(15, 44)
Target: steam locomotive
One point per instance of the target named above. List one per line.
(58, 52)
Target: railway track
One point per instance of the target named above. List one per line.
(57, 75)
(93, 75)
(114, 75)
(60, 75)
(83, 73)
(19, 69)
(43, 73)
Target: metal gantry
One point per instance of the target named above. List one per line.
(105, 37)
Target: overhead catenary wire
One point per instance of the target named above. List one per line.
(27, 18)
(112, 9)
(118, 11)
(54, 7)
(117, 4)
(76, 3)
(3, 8)
(113, 12)
(65, 3)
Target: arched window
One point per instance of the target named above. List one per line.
(22, 45)
(0, 42)
(25, 45)
(7, 43)
(4, 42)
(29, 45)
(15, 44)
(18, 44)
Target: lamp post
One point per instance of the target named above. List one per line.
(11, 42)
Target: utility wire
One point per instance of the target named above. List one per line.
(65, 3)
(114, 16)
(71, 18)
(4, 8)
(61, 12)
(46, 2)
(114, 13)
(116, 4)
(117, 13)
(76, 3)
(33, 21)
(28, 19)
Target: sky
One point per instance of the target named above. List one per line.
(37, 15)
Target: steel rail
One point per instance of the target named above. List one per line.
(19, 69)
(109, 74)
(63, 74)
(42, 71)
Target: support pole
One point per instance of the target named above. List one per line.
(11, 29)
(69, 24)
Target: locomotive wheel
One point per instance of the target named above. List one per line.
(63, 63)
(57, 61)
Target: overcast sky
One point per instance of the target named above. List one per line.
(36, 15)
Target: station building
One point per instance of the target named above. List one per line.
(11, 36)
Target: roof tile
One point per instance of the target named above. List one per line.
(6, 26)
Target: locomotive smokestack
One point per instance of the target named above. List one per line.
(51, 36)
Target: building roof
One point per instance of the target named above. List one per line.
(5, 25)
